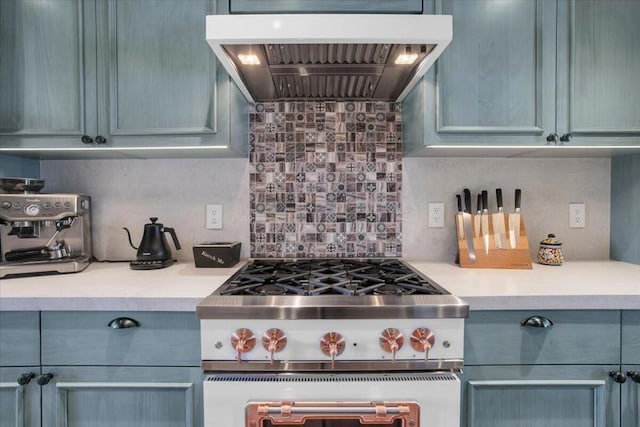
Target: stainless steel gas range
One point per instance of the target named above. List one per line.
(331, 342)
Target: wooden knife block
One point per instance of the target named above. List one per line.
(516, 258)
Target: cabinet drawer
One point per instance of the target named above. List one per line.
(631, 337)
(576, 337)
(20, 332)
(85, 338)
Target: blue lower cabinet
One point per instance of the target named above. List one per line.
(122, 397)
(631, 396)
(540, 396)
(19, 396)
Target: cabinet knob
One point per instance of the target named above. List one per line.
(537, 322)
(618, 377)
(26, 378)
(123, 323)
(101, 140)
(44, 379)
(635, 376)
(566, 137)
(552, 137)
(86, 139)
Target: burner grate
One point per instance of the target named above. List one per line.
(349, 277)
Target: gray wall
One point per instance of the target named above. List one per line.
(127, 192)
(625, 208)
(548, 185)
(12, 166)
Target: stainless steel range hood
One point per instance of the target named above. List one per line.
(295, 57)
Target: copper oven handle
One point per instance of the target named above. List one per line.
(380, 409)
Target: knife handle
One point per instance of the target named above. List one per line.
(459, 202)
(499, 198)
(485, 200)
(467, 200)
(479, 203)
(518, 198)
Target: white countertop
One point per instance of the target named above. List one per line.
(114, 287)
(573, 285)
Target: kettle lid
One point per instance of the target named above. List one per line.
(153, 220)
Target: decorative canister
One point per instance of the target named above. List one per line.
(550, 252)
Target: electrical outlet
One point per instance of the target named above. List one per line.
(577, 215)
(436, 215)
(214, 217)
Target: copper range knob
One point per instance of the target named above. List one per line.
(243, 341)
(332, 344)
(274, 341)
(391, 340)
(422, 340)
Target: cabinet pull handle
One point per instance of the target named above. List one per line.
(537, 322)
(26, 378)
(44, 379)
(124, 323)
(618, 377)
(635, 376)
(86, 139)
(101, 140)
(566, 137)
(552, 137)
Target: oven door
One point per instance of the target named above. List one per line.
(332, 400)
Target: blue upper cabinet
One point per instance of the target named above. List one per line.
(325, 6)
(531, 72)
(125, 75)
(47, 72)
(598, 69)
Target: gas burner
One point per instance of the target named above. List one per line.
(347, 277)
(268, 290)
(391, 289)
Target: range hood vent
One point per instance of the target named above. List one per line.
(306, 57)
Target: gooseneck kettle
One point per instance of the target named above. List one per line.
(153, 250)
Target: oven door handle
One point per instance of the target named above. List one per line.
(299, 412)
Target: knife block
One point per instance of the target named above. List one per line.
(516, 258)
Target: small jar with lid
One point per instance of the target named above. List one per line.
(550, 252)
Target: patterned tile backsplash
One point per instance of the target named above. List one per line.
(325, 179)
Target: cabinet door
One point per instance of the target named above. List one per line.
(540, 396)
(326, 6)
(631, 337)
(159, 84)
(19, 404)
(47, 72)
(495, 82)
(122, 397)
(598, 71)
(20, 333)
(630, 398)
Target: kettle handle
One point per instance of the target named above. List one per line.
(171, 231)
(129, 236)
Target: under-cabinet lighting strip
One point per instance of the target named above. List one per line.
(537, 147)
(213, 147)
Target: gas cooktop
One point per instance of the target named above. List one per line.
(351, 277)
(337, 288)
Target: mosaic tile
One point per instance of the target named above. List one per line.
(325, 179)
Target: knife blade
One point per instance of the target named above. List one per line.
(468, 231)
(459, 220)
(485, 221)
(514, 221)
(477, 232)
(497, 219)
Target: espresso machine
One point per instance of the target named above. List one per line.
(42, 233)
